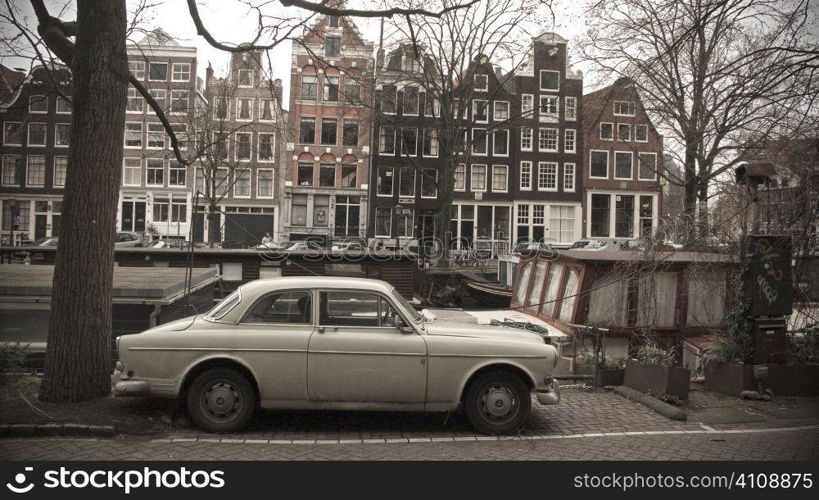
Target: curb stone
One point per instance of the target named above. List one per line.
(661, 407)
(49, 430)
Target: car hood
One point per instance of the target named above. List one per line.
(177, 325)
(456, 329)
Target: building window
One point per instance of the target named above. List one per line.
(406, 184)
(383, 219)
(501, 111)
(132, 172)
(63, 106)
(62, 134)
(571, 108)
(332, 46)
(307, 131)
(11, 172)
(244, 109)
(480, 141)
(137, 68)
(386, 140)
(409, 141)
(480, 111)
(526, 139)
(561, 223)
(460, 177)
(432, 106)
(245, 78)
(264, 183)
(405, 226)
(549, 106)
(309, 87)
(622, 165)
(349, 134)
(478, 178)
(500, 178)
(37, 134)
(606, 131)
(222, 182)
(244, 144)
(624, 216)
(388, 99)
(600, 207)
(305, 174)
(624, 132)
(156, 136)
(429, 183)
(177, 174)
(158, 72)
(133, 135)
(327, 175)
(266, 111)
(181, 72)
(298, 217)
(599, 164)
(155, 172)
(38, 104)
(482, 83)
(547, 176)
(648, 166)
(60, 168)
(523, 214)
(220, 108)
(501, 143)
(549, 80)
(160, 96)
(331, 88)
(646, 213)
(241, 188)
(525, 175)
(641, 133)
(12, 133)
(220, 145)
(35, 172)
(349, 176)
(333, 21)
(267, 144)
(570, 140)
(179, 101)
(348, 210)
(384, 181)
(329, 131)
(527, 105)
(135, 101)
(431, 142)
(547, 139)
(352, 92)
(624, 108)
(161, 208)
(568, 177)
(411, 101)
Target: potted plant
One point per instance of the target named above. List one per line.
(610, 372)
(653, 371)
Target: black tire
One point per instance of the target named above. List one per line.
(221, 400)
(498, 403)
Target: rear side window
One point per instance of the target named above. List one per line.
(285, 307)
(224, 307)
(356, 309)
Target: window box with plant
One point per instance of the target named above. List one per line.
(653, 372)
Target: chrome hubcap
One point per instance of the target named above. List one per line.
(498, 403)
(221, 401)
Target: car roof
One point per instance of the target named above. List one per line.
(280, 283)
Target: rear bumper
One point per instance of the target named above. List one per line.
(550, 395)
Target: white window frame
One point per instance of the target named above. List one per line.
(424, 143)
(569, 167)
(531, 135)
(392, 184)
(527, 111)
(628, 127)
(472, 177)
(179, 167)
(460, 168)
(236, 183)
(631, 171)
(141, 136)
(216, 101)
(139, 74)
(540, 80)
(5, 140)
(158, 64)
(486, 142)
(149, 132)
(28, 134)
(272, 183)
(506, 178)
(494, 138)
(54, 174)
(28, 170)
(236, 149)
(540, 132)
(57, 125)
(239, 78)
(239, 105)
(495, 111)
(259, 147)
(639, 161)
(542, 172)
(147, 169)
(136, 95)
(486, 110)
(573, 133)
(395, 146)
(68, 105)
(41, 98)
(375, 229)
(182, 70)
(422, 184)
(600, 131)
(417, 104)
(125, 168)
(572, 107)
(636, 126)
(527, 186)
(549, 116)
(485, 87)
(272, 102)
(608, 163)
(628, 104)
(187, 102)
(163, 101)
(14, 168)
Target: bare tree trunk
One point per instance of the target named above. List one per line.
(703, 228)
(78, 356)
(446, 195)
(690, 195)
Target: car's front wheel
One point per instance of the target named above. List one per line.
(498, 403)
(221, 400)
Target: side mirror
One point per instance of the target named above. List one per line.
(403, 327)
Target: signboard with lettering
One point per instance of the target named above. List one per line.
(769, 279)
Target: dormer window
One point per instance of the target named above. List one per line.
(624, 108)
(481, 82)
(411, 65)
(549, 80)
(245, 77)
(334, 21)
(332, 46)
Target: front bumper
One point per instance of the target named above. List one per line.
(128, 387)
(550, 395)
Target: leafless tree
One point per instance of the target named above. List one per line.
(716, 75)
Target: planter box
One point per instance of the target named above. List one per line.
(729, 378)
(658, 379)
(609, 376)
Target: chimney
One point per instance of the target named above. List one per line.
(208, 74)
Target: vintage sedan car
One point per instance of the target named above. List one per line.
(335, 343)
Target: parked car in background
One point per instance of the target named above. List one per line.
(128, 239)
(301, 245)
(531, 246)
(335, 343)
(347, 246)
(593, 245)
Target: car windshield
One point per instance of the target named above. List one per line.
(224, 307)
(414, 314)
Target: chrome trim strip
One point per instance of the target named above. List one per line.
(371, 353)
(499, 356)
(231, 349)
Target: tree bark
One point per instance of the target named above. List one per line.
(78, 356)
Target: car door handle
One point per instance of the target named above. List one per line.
(321, 329)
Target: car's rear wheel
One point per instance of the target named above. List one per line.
(498, 403)
(221, 400)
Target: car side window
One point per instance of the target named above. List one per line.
(356, 309)
(285, 307)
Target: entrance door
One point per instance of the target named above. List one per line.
(40, 223)
(133, 216)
